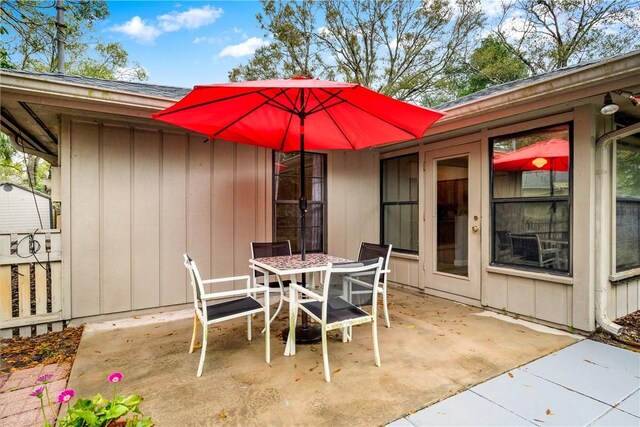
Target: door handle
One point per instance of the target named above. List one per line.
(475, 228)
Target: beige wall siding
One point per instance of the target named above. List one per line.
(404, 271)
(18, 210)
(624, 298)
(353, 189)
(139, 198)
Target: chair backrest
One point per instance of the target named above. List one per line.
(504, 240)
(196, 281)
(374, 250)
(526, 247)
(269, 249)
(351, 283)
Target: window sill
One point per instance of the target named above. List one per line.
(531, 275)
(624, 275)
(405, 256)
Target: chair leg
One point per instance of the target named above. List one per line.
(325, 355)
(249, 327)
(280, 304)
(195, 331)
(376, 350)
(203, 353)
(386, 310)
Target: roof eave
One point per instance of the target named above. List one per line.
(588, 79)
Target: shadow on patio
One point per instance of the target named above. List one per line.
(434, 348)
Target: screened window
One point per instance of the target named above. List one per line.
(286, 193)
(530, 199)
(400, 203)
(628, 203)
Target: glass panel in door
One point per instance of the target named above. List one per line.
(452, 249)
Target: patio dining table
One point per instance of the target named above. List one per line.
(292, 266)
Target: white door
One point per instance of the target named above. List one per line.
(453, 186)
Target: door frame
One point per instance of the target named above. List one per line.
(464, 289)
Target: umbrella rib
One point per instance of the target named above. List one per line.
(286, 132)
(376, 116)
(326, 110)
(322, 105)
(202, 104)
(236, 120)
(277, 104)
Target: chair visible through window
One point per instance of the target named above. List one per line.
(237, 303)
(337, 307)
(527, 250)
(275, 283)
(372, 251)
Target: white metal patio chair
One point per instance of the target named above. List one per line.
(337, 307)
(236, 303)
(260, 277)
(371, 251)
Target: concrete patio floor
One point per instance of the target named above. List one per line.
(435, 348)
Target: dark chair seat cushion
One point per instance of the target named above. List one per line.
(231, 308)
(275, 284)
(338, 310)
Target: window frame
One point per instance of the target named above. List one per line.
(493, 201)
(323, 202)
(399, 203)
(633, 271)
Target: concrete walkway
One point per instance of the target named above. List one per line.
(585, 384)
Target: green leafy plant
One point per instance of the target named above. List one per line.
(97, 411)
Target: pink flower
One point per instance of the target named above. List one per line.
(37, 392)
(115, 377)
(46, 378)
(66, 395)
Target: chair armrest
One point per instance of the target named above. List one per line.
(226, 279)
(234, 293)
(308, 292)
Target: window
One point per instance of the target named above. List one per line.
(530, 199)
(400, 203)
(286, 192)
(628, 203)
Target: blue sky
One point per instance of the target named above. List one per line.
(184, 43)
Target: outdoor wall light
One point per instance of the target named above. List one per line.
(635, 99)
(609, 107)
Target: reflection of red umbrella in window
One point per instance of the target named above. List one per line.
(551, 155)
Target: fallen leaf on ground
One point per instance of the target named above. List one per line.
(510, 375)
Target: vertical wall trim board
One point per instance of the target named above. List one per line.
(66, 193)
(161, 301)
(132, 209)
(101, 289)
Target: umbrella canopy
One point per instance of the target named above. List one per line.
(298, 114)
(551, 155)
(267, 113)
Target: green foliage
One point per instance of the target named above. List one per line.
(490, 64)
(550, 34)
(29, 42)
(399, 48)
(628, 169)
(99, 412)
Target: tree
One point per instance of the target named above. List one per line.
(490, 64)
(550, 34)
(399, 48)
(30, 39)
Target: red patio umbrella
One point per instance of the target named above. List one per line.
(298, 114)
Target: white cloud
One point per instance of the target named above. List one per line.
(190, 19)
(492, 8)
(247, 47)
(207, 40)
(138, 30)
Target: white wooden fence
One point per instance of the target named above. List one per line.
(30, 282)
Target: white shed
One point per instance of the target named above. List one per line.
(19, 209)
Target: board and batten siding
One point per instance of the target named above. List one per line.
(624, 298)
(353, 201)
(139, 198)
